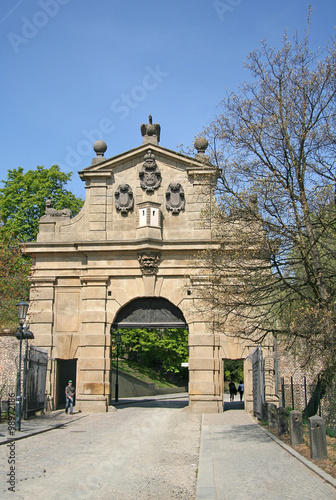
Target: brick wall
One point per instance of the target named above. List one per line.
(293, 373)
(9, 362)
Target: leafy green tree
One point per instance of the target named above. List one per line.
(14, 270)
(272, 269)
(162, 350)
(22, 199)
(22, 203)
(234, 370)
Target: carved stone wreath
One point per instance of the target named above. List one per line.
(149, 263)
(175, 200)
(150, 176)
(124, 200)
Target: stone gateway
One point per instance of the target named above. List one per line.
(124, 260)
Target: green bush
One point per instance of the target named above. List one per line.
(161, 350)
(234, 369)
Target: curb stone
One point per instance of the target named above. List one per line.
(205, 485)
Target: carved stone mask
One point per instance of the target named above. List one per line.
(149, 263)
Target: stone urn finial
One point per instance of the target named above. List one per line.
(99, 147)
(201, 144)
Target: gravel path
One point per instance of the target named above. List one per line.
(148, 452)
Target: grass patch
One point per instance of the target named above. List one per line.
(331, 433)
(143, 373)
(5, 416)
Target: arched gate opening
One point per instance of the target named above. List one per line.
(145, 313)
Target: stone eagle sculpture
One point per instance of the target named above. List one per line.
(150, 128)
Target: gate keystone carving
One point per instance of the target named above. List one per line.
(149, 263)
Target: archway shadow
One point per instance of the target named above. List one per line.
(153, 402)
(234, 405)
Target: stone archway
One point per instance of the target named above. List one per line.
(131, 245)
(144, 313)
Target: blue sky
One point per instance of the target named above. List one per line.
(74, 71)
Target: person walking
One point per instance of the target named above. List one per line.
(233, 390)
(241, 389)
(69, 397)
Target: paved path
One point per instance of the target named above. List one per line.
(240, 461)
(150, 450)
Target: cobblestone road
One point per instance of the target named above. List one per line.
(148, 452)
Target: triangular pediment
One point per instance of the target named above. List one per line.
(136, 155)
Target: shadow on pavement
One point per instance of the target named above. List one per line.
(241, 433)
(181, 402)
(233, 405)
(166, 402)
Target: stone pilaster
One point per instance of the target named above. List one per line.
(205, 373)
(93, 384)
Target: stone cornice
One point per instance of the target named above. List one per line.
(93, 278)
(129, 246)
(45, 281)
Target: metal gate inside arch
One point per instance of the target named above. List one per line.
(149, 312)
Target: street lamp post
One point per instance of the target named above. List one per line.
(117, 339)
(22, 308)
(21, 333)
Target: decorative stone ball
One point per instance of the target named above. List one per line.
(100, 147)
(201, 144)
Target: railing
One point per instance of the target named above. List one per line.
(309, 397)
(299, 395)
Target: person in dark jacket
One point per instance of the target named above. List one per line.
(233, 390)
(241, 389)
(69, 397)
